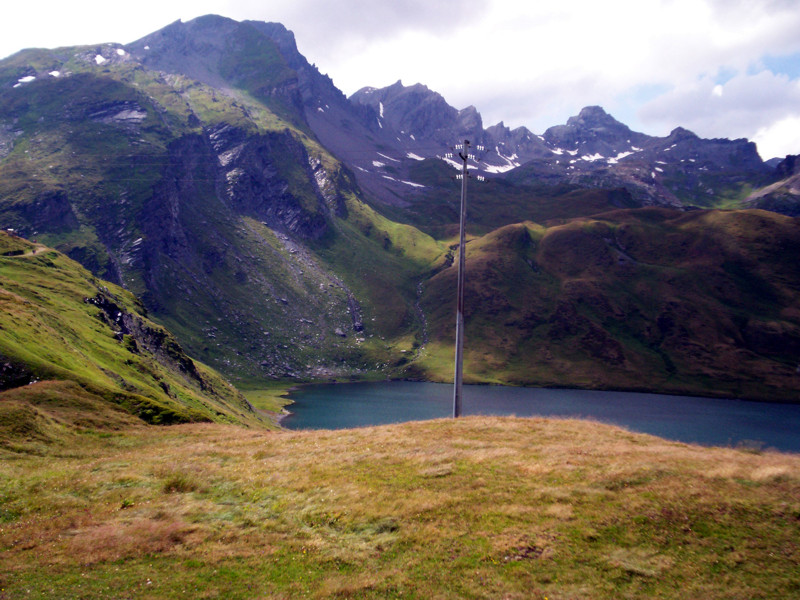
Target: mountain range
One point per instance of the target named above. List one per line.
(281, 230)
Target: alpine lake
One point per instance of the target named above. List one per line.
(706, 421)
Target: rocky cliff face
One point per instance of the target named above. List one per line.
(254, 185)
(783, 196)
(419, 112)
(144, 336)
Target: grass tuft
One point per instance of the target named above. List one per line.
(179, 483)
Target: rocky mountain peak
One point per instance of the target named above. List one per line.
(469, 119)
(788, 166)
(203, 32)
(413, 109)
(284, 39)
(595, 118)
(205, 48)
(679, 133)
(592, 116)
(593, 131)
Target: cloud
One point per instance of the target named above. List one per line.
(779, 138)
(330, 30)
(373, 20)
(748, 105)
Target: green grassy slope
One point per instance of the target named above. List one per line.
(475, 508)
(59, 323)
(699, 302)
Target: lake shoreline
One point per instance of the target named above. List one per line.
(727, 422)
(722, 395)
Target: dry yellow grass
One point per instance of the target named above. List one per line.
(477, 508)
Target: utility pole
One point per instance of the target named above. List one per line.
(462, 252)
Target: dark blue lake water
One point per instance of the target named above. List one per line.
(701, 420)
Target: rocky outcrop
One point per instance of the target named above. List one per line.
(156, 341)
(788, 166)
(783, 196)
(416, 110)
(126, 114)
(270, 177)
(50, 210)
(13, 374)
(7, 136)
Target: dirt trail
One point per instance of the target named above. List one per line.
(38, 249)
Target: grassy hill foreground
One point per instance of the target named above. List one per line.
(468, 508)
(80, 353)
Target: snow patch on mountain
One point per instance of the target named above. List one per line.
(614, 160)
(511, 163)
(24, 80)
(496, 169)
(411, 183)
(451, 162)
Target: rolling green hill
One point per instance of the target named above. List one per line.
(703, 302)
(76, 351)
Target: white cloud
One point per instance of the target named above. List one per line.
(779, 138)
(748, 105)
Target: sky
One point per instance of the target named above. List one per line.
(721, 68)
